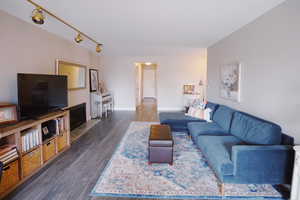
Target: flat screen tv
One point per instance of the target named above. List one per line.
(40, 94)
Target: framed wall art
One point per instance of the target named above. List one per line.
(230, 84)
(94, 80)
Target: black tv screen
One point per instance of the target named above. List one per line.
(41, 94)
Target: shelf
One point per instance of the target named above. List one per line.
(32, 149)
(63, 132)
(33, 160)
(49, 139)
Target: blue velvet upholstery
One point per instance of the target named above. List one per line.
(261, 164)
(177, 120)
(286, 139)
(204, 128)
(223, 116)
(217, 150)
(230, 144)
(213, 107)
(255, 131)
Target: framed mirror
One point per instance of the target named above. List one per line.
(76, 74)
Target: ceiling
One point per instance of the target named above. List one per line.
(147, 23)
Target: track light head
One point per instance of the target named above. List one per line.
(78, 38)
(98, 48)
(38, 16)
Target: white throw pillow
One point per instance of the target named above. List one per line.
(191, 111)
(199, 113)
(207, 114)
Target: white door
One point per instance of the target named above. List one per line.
(149, 83)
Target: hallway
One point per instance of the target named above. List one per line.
(147, 111)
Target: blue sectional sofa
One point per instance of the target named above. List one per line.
(241, 148)
(178, 121)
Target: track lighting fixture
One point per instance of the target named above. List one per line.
(38, 16)
(78, 38)
(98, 48)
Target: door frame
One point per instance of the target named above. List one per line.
(139, 81)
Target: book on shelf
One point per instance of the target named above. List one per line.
(9, 156)
(6, 148)
(30, 139)
(11, 159)
(60, 128)
(7, 153)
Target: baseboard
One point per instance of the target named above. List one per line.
(159, 109)
(125, 109)
(169, 109)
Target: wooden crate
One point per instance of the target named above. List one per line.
(62, 141)
(10, 176)
(49, 149)
(31, 161)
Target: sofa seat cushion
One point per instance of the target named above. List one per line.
(217, 150)
(204, 128)
(177, 120)
(254, 130)
(223, 116)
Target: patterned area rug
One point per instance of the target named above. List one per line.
(129, 175)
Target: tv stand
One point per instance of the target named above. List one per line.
(43, 116)
(39, 153)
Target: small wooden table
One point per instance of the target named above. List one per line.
(160, 144)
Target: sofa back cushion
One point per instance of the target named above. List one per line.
(223, 116)
(212, 106)
(253, 130)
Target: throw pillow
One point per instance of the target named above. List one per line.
(207, 114)
(199, 113)
(191, 111)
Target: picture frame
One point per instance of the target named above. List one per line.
(8, 113)
(94, 80)
(188, 89)
(230, 81)
(45, 130)
(76, 74)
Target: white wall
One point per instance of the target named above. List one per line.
(26, 48)
(175, 67)
(149, 83)
(269, 50)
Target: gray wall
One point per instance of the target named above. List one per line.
(26, 48)
(269, 50)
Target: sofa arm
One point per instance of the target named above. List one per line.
(263, 164)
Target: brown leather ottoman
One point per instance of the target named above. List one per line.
(160, 144)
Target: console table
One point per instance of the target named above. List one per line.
(101, 103)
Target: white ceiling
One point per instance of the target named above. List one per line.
(120, 23)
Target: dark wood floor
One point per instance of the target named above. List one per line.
(146, 111)
(73, 174)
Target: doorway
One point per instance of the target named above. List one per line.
(146, 91)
